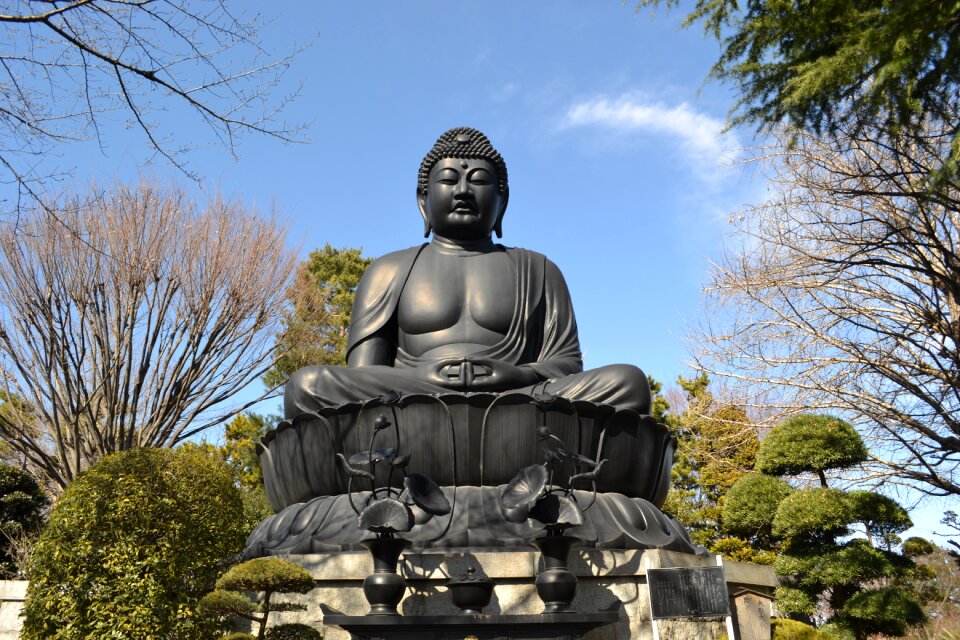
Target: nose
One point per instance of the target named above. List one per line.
(463, 188)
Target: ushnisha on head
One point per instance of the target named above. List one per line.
(462, 186)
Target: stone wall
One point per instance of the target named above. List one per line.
(12, 594)
(607, 579)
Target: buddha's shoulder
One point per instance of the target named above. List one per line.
(387, 268)
(535, 257)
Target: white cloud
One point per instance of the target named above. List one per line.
(701, 137)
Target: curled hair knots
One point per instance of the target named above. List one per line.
(462, 142)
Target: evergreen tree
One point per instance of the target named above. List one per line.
(862, 579)
(835, 65)
(23, 505)
(321, 300)
(263, 578)
(717, 445)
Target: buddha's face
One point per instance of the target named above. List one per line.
(463, 199)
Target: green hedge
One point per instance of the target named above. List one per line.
(131, 546)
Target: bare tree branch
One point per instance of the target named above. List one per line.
(132, 324)
(66, 68)
(843, 295)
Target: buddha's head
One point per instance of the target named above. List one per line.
(462, 186)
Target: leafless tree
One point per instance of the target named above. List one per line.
(842, 294)
(134, 324)
(69, 67)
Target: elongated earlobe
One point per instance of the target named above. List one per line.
(422, 204)
(505, 198)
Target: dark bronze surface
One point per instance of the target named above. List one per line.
(558, 626)
(688, 592)
(462, 313)
(474, 324)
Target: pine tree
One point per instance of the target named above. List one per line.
(863, 578)
(321, 299)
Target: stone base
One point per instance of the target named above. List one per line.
(12, 595)
(555, 626)
(607, 580)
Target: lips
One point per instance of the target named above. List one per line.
(464, 208)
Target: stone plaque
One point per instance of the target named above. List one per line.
(688, 592)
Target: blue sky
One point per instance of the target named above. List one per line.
(620, 169)
(614, 145)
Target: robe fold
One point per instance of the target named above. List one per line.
(542, 336)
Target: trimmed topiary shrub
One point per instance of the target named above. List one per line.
(265, 577)
(268, 575)
(293, 632)
(752, 502)
(794, 601)
(818, 560)
(131, 546)
(915, 547)
(824, 511)
(879, 514)
(785, 629)
(887, 610)
(810, 442)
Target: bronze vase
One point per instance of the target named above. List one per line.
(384, 587)
(556, 584)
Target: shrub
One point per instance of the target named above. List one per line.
(740, 550)
(810, 443)
(266, 577)
(293, 632)
(267, 574)
(795, 602)
(752, 502)
(915, 547)
(130, 547)
(888, 610)
(785, 629)
(879, 514)
(813, 512)
(22, 504)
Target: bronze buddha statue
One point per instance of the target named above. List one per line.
(467, 347)
(461, 312)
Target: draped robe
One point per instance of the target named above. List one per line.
(542, 336)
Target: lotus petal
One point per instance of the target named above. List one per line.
(377, 455)
(390, 397)
(401, 461)
(381, 422)
(387, 515)
(419, 515)
(426, 494)
(516, 516)
(525, 487)
(553, 509)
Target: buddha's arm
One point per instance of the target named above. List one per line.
(373, 350)
(373, 338)
(560, 351)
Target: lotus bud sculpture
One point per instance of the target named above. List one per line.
(534, 494)
(388, 511)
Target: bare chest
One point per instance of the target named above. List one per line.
(459, 298)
